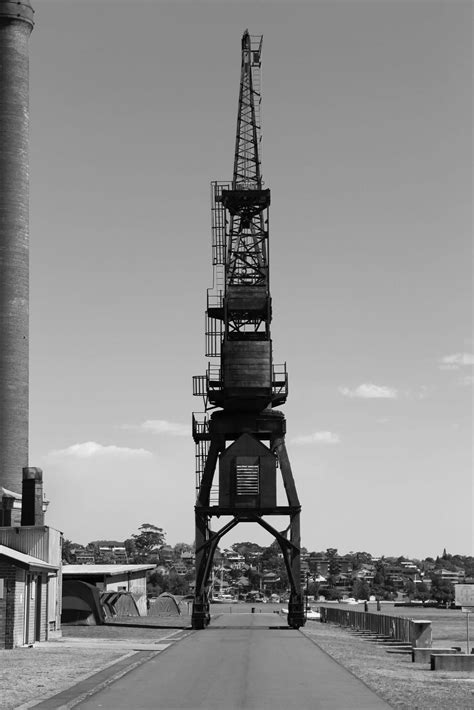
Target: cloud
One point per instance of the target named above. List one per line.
(161, 426)
(456, 361)
(370, 391)
(318, 437)
(91, 449)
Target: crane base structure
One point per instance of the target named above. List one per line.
(247, 492)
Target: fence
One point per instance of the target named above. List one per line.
(417, 632)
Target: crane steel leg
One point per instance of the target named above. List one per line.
(201, 612)
(296, 612)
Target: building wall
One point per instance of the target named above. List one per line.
(44, 543)
(17, 600)
(7, 604)
(24, 608)
(54, 605)
(138, 589)
(38, 541)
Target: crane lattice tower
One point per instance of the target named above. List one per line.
(244, 437)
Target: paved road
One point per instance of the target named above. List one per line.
(242, 661)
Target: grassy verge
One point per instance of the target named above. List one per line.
(33, 674)
(403, 684)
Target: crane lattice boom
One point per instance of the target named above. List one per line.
(247, 160)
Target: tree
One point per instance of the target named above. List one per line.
(422, 592)
(130, 549)
(313, 588)
(234, 574)
(254, 577)
(330, 594)
(379, 576)
(249, 550)
(177, 584)
(68, 555)
(270, 558)
(334, 565)
(442, 590)
(156, 583)
(146, 543)
(358, 559)
(360, 589)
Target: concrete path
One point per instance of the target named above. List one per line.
(241, 661)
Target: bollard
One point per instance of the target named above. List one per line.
(253, 610)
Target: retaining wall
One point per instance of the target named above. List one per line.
(417, 632)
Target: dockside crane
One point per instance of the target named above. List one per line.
(240, 432)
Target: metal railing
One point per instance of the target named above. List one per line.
(199, 385)
(200, 425)
(279, 380)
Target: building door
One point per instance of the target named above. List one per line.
(39, 590)
(27, 607)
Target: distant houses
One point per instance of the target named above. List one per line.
(247, 568)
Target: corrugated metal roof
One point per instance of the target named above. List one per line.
(108, 570)
(28, 561)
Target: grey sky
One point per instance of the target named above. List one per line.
(367, 151)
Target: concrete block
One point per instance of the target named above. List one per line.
(421, 634)
(423, 655)
(453, 662)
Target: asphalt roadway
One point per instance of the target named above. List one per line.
(241, 661)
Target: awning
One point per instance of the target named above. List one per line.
(28, 562)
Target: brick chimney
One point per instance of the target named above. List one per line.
(32, 511)
(16, 23)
